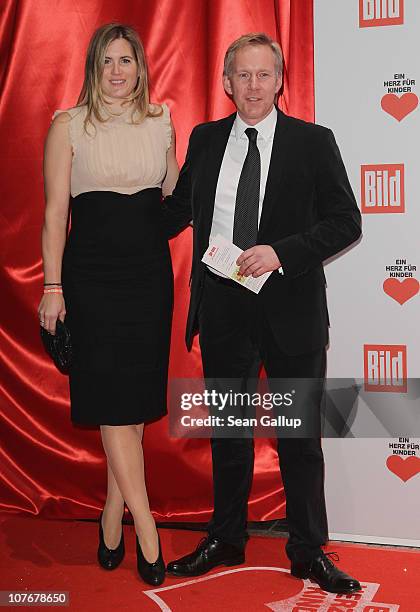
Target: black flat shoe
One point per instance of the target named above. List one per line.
(323, 571)
(209, 553)
(152, 573)
(109, 558)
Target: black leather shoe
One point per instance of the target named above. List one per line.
(326, 574)
(209, 553)
(109, 558)
(152, 573)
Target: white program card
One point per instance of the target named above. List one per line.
(221, 255)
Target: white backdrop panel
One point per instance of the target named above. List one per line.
(369, 496)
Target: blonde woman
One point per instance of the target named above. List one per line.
(111, 278)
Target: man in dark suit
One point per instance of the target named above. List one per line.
(276, 187)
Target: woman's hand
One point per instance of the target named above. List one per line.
(51, 308)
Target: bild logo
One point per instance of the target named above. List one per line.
(382, 188)
(374, 13)
(385, 367)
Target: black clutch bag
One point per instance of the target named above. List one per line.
(58, 346)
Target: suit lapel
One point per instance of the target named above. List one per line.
(275, 172)
(215, 152)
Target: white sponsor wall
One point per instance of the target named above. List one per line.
(367, 78)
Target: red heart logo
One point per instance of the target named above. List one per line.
(401, 291)
(399, 107)
(404, 468)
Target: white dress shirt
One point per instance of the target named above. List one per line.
(230, 171)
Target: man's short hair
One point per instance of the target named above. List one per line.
(253, 38)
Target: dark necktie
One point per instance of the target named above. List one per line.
(245, 223)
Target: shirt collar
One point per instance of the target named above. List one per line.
(265, 128)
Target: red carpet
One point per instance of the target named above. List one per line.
(39, 555)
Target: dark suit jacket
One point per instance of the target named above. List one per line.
(309, 213)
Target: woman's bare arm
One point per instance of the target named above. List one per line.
(57, 171)
(172, 173)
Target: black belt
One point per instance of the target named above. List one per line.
(221, 280)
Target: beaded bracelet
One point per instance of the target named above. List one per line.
(55, 284)
(56, 290)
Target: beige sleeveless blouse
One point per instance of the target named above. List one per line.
(118, 155)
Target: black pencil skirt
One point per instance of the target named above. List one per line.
(118, 290)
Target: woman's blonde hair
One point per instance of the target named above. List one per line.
(91, 94)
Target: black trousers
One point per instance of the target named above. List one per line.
(235, 338)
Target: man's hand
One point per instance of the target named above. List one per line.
(257, 260)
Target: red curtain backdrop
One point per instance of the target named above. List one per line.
(49, 467)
